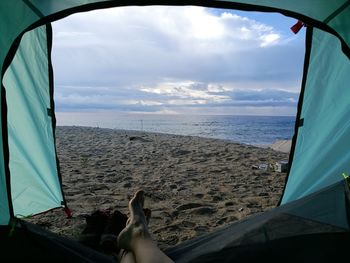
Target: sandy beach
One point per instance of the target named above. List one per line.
(193, 185)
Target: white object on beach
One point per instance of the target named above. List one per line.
(281, 166)
(263, 166)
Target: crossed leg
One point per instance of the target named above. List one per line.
(135, 238)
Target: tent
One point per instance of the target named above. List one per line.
(312, 221)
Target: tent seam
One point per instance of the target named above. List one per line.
(34, 8)
(337, 12)
(52, 106)
(299, 120)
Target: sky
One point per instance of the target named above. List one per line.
(177, 60)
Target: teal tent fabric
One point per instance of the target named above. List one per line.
(35, 185)
(322, 152)
(327, 205)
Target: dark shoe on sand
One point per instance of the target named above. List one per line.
(116, 223)
(95, 225)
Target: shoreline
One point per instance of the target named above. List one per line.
(280, 145)
(193, 185)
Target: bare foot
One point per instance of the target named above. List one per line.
(136, 226)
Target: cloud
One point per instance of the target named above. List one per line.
(269, 39)
(185, 90)
(175, 97)
(159, 58)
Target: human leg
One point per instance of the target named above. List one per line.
(127, 257)
(135, 236)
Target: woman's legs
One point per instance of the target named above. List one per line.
(136, 238)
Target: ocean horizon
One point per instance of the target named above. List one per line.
(254, 130)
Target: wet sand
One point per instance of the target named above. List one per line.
(193, 185)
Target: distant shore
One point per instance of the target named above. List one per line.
(193, 185)
(255, 130)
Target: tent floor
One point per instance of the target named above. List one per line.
(32, 243)
(325, 247)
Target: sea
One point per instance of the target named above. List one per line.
(253, 130)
